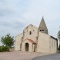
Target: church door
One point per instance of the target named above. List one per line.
(26, 47)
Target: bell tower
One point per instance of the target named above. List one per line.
(43, 27)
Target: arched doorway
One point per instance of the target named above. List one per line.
(26, 47)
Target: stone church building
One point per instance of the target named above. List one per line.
(36, 39)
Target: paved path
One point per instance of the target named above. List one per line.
(18, 55)
(49, 57)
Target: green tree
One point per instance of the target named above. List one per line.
(59, 35)
(7, 40)
(59, 39)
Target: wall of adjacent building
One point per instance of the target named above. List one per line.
(53, 45)
(18, 39)
(43, 43)
(46, 44)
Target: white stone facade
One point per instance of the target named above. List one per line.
(33, 40)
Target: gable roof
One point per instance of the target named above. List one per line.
(54, 38)
(30, 40)
(31, 25)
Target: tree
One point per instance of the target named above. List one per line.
(59, 39)
(59, 35)
(7, 40)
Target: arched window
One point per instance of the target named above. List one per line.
(42, 30)
(30, 32)
(26, 47)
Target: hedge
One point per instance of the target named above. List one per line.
(4, 48)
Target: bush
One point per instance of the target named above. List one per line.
(59, 47)
(0, 48)
(4, 48)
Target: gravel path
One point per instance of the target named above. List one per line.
(18, 55)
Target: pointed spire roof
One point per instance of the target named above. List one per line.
(43, 26)
(42, 23)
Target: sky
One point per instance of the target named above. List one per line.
(15, 15)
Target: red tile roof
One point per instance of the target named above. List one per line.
(31, 41)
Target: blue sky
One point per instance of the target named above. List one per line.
(15, 15)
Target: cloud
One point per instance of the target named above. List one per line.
(15, 15)
(13, 25)
(6, 12)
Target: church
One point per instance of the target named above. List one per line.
(36, 39)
